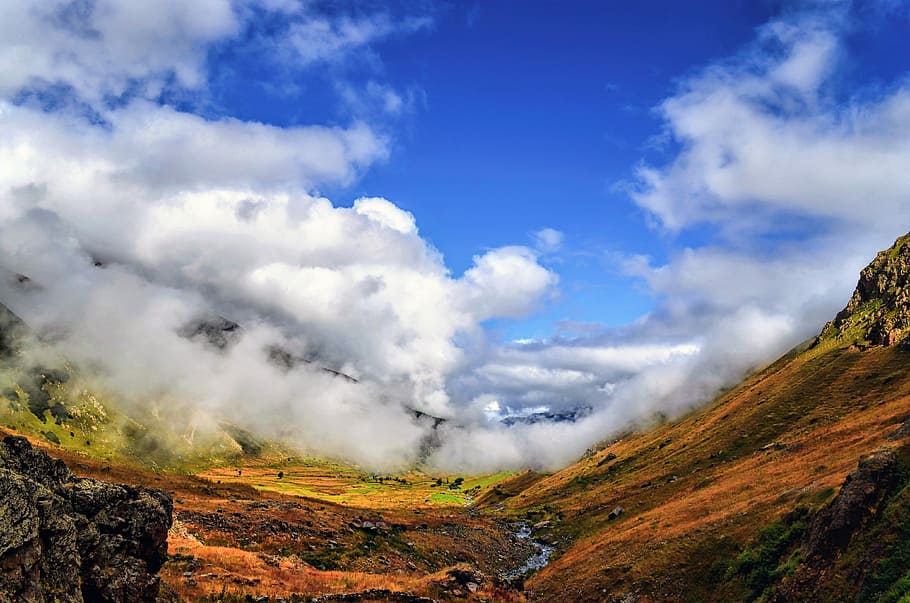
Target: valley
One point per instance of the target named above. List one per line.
(792, 485)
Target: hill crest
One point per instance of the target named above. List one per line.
(878, 313)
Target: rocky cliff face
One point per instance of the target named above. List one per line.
(68, 539)
(855, 506)
(12, 330)
(879, 311)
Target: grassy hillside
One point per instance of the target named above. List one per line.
(699, 494)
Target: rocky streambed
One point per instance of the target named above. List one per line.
(539, 558)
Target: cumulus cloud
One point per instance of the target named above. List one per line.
(137, 219)
(355, 289)
(764, 138)
(104, 47)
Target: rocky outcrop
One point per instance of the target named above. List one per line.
(215, 331)
(839, 548)
(879, 311)
(68, 539)
(12, 330)
(854, 507)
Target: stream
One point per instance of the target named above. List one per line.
(538, 560)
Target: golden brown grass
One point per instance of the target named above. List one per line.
(242, 572)
(712, 485)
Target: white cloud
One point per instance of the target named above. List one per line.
(190, 216)
(762, 139)
(548, 240)
(386, 213)
(505, 282)
(193, 215)
(103, 47)
(794, 187)
(318, 39)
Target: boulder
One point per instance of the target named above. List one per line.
(64, 538)
(854, 507)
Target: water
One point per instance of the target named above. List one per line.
(538, 560)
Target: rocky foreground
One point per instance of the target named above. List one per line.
(67, 539)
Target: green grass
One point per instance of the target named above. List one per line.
(771, 557)
(448, 497)
(325, 480)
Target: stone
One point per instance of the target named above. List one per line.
(68, 539)
(855, 505)
(878, 313)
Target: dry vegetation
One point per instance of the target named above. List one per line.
(695, 491)
(693, 494)
(233, 537)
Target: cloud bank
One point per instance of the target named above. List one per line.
(793, 182)
(138, 217)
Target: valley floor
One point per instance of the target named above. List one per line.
(246, 533)
(729, 503)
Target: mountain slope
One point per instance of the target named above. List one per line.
(715, 506)
(792, 486)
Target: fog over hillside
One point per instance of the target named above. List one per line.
(135, 211)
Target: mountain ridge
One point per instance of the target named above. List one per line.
(719, 505)
(878, 312)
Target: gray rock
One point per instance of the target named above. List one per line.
(66, 539)
(855, 505)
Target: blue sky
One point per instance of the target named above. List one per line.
(518, 120)
(522, 120)
(476, 208)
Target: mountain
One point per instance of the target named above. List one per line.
(879, 311)
(792, 486)
(565, 416)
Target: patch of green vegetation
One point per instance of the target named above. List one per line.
(325, 559)
(817, 498)
(890, 580)
(771, 557)
(478, 483)
(855, 328)
(248, 442)
(447, 497)
(899, 592)
(898, 247)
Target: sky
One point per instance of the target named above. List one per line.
(477, 209)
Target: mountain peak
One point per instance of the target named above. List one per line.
(879, 311)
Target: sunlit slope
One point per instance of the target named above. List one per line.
(674, 513)
(694, 492)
